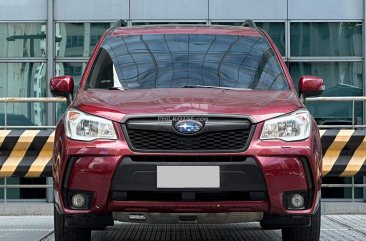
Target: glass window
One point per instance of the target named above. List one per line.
(341, 79)
(187, 60)
(326, 39)
(23, 80)
(78, 39)
(276, 31)
(24, 114)
(23, 40)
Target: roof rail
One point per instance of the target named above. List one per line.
(249, 23)
(120, 23)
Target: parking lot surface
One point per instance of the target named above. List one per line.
(334, 227)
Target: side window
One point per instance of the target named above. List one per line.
(101, 76)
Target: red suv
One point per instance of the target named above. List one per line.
(187, 124)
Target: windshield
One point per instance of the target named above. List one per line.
(186, 60)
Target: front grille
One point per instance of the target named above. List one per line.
(153, 140)
(218, 135)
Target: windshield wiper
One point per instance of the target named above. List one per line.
(214, 87)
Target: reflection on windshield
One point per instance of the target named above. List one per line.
(181, 60)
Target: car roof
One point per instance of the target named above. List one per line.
(186, 29)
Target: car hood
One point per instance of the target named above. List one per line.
(259, 105)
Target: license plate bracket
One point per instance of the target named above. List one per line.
(188, 177)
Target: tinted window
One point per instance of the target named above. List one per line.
(326, 39)
(181, 60)
(23, 40)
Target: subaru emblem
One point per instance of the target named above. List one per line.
(188, 126)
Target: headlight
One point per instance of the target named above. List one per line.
(293, 127)
(84, 127)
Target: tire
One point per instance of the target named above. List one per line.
(304, 233)
(64, 233)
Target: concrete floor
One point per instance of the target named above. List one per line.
(334, 227)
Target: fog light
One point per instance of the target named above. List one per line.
(297, 201)
(78, 200)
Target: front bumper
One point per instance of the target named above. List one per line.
(135, 179)
(283, 167)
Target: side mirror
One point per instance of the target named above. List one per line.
(310, 86)
(62, 86)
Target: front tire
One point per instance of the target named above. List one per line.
(304, 233)
(64, 233)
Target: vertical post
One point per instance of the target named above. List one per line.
(287, 35)
(5, 190)
(50, 59)
(287, 41)
(364, 189)
(353, 189)
(87, 34)
(353, 114)
(6, 114)
(49, 190)
(51, 107)
(208, 21)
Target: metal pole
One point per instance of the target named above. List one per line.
(5, 190)
(51, 107)
(364, 189)
(6, 115)
(49, 192)
(337, 98)
(353, 189)
(353, 114)
(32, 99)
(50, 58)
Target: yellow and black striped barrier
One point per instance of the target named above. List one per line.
(344, 152)
(28, 153)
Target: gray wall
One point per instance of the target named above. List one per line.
(96, 10)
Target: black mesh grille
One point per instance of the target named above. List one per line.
(212, 141)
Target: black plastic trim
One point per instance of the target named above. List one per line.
(177, 196)
(67, 193)
(310, 181)
(67, 172)
(208, 126)
(309, 193)
(89, 220)
(244, 176)
(233, 116)
(271, 221)
(306, 165)
(65, 180)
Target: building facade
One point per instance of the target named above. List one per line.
(40, 39)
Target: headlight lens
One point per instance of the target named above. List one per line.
(293, 127)
(84, 127)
